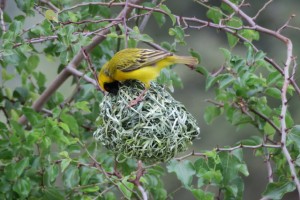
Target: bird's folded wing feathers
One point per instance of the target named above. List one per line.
(146, 57)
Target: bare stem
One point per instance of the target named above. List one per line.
(268, 163)
(92, 69)
(2, 21)
(262, 8)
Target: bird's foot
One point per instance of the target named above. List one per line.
(137, 100)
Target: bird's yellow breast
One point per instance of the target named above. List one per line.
(145, 75)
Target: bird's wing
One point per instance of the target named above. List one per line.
(145, 57)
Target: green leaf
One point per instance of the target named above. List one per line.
(260, 55)
(91, 189)
(33, 117)
(215, 14)
(273, 92)
(86, 175)
(64, 154)
(26, 6)
(51, 15)
(72, 17)
(268, 129)
(202, 70)
(16, 26)
(249, 34)
(273, 77)
(232, 40)
(211, 113)
(71, 177)
(126, 187)
(53, 193)
(250, 53)
(233, 22)
(226, 53)
(276, 190)
(168, 11)
(32, 63)
(21, 94)
(195, 54)
(64, 126)
(6, 76)
(226, 80)
(178, 33)
(184, 171)
(21, 165)
(10, 172)
(159, 18)
(294, 135)
(201, 195)
(22, 187)
(40, 78)
(57, 134)
(212, 176)
(135, 34)
(210, 81)
(167, 46)
(65, 163)
(6, 154)
(51, 174)
(71, 122)
(228, 8)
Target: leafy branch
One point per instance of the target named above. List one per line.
(56, 144)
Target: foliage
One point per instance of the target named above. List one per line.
(47, 149)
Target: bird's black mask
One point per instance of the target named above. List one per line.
(112, 87)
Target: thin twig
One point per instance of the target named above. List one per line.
(143, 192)
(92, 69)
(139, 173)
(262, 116)
(2, 21)
(267, 119)
(294, 68)
(90, 21)
(146, 19)
(286, 23)
(262, 8)
(293, 27)
(98, 165)
(249, 147)
(124, 17)
(193, 153)
(79, 74)
(50, 5)
(268, 163)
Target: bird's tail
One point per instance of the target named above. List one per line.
(187, 60)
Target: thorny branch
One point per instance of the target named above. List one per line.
(284, 102)
(218, 149)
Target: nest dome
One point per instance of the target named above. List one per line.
(155, 129)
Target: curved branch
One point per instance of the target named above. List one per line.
(64, 74)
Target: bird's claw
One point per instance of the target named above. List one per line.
(135, 101)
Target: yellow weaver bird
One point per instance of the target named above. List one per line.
(143, 65)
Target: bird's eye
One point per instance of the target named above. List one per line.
(112, 87)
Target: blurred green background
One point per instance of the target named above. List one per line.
(207, 42)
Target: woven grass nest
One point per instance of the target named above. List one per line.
(154, 130)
